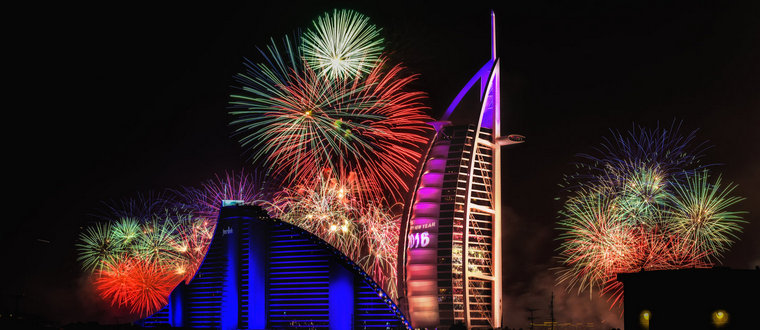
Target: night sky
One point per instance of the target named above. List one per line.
(116, 100)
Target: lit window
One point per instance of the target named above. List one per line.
(644, 318)
(720, 318)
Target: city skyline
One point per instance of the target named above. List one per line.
(143, 107)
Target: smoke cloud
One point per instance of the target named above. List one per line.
(529, 282)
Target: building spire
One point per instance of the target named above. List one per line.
(493, 36)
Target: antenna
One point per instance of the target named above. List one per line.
(493, 36)
(531, 319)
(551, 309)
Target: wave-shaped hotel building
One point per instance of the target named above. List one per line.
(263, 273)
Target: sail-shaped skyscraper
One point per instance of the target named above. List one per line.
(450, 262)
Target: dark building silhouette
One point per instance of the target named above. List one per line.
(262, 273)
(715, 298)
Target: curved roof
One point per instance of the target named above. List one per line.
(348, 263)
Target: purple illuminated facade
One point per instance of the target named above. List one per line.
(450, 259)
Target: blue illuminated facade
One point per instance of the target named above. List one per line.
(264, 273)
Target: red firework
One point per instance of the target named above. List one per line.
(139, 284)
(372, 126)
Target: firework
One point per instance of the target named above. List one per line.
(158, 242)
(97, 248)
(140, 208)
(642, 195)
(206, 201)
(124, 232)
(596, 241)
(699, 214)
(113, 282)
(329, 208)
(326, 208)
(665, 150)
(195, 236)
(139, 284)
(138, 264)
(380, 234)
(139, 258)
(342, 45)
(300, 123)
(644, 204)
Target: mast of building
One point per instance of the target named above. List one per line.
(497, 308)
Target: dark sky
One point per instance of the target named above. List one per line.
(119, 99)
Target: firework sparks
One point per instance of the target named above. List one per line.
(380, 234)
(325, 208)
(97, 248)
(158, 241)
(329, 209)
(664, 150)
(137, 283)
(125, 231)
(699, 214)
(300, 123)
(342, 45)
(206, 201)
(644, 204)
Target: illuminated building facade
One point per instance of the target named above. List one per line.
(450, 255)
(262, 273)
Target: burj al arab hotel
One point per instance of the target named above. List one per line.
(450, 267)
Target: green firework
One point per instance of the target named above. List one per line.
(97, 247)
(700, 213)
(343, 45)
